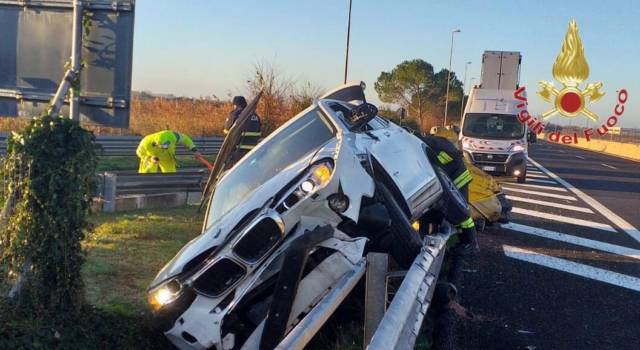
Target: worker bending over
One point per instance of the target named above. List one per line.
(250, 135)
(451, 160)
(158, 151)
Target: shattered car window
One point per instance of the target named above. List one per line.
(289, 145)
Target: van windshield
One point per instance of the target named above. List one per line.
(493, 126)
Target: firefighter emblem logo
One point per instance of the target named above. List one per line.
(571, 69)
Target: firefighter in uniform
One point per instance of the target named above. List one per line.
(158, 151)
(251, 133)
(451, 160)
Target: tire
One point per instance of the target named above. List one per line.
(405, 242)
(456, 209)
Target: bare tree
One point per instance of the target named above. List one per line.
(275, 87)
(303, 95)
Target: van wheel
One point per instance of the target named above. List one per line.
(405, 241)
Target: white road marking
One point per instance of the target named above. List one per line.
(610, 277)
(584, 242)
(566, 220)
(542, 181)
(537, 176)
(535, 172)
(552, 188)
(608, 166)
(538, 193)
(581, 157)
(550, 204)
(618, 221)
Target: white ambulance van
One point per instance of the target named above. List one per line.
(491, 135)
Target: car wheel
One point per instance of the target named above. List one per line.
(456, 209)
(405, 243)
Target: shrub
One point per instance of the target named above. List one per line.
(48, 171)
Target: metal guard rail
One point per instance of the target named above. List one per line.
(126, 145)
(122, 183)
(403, 319)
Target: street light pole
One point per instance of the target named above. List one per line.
(464, 87)
(346, 60)
(446, 101)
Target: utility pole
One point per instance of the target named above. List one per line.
(464, 87)
(346, 60)
(76, 45)
(446, 101)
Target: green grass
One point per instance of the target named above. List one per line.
(125, 252)
(123, 255)
(107, 163)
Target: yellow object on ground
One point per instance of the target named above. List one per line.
(482, 195)
(158, 151)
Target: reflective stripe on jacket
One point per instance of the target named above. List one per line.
(449, 158)
(251, 133)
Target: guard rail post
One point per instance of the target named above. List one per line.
(110, 187)
(375, 298)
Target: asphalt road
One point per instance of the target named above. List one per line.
(565, 273)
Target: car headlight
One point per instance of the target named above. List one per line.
(319, 176)
(518, 148)
(164, 294)
(316, 178)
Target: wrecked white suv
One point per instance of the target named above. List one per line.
(296, 215)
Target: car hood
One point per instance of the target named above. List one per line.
(216, 234)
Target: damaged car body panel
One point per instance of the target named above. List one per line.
(289, 221)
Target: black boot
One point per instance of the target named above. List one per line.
(468, 244)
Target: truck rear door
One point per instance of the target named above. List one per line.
(500, 70)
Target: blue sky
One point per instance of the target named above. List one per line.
(198, 47)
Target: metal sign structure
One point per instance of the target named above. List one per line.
(45, 43)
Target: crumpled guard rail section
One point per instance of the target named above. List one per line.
(403, 319)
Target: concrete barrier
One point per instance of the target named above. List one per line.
(624, 150)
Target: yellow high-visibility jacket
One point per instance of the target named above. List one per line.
(151, 146)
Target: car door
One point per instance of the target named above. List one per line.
(402, 156)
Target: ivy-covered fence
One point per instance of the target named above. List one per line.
(47, 175)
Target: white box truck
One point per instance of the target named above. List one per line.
(491, 135)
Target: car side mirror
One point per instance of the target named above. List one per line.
(361, 115)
